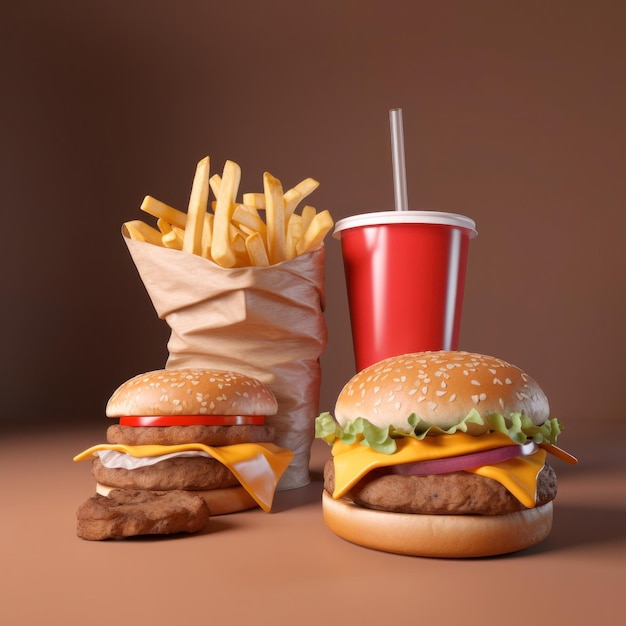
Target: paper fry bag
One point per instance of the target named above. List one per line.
(266, 322)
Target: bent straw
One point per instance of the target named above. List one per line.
(397, 157)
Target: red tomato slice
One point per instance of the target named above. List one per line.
(190, 420)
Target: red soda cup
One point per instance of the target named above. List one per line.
(405, 277)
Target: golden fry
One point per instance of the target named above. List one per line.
(274, 218)
(299, 192)
(254, 200)
(244, 215)
(207, 235)
(240, 249)
(308, 213)
(215, 182)
(256, 250)
(315, 233)
(140, 231)
(159, 209)
(173, 239)
(192, 241)
(294, 234)
(221, 250)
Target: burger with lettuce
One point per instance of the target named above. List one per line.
(441, 454)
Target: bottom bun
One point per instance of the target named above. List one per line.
(444, 536)
(219, 501)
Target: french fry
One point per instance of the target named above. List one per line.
(308, 213)
(207, 235)
(221, 250)
(159, 209)
(274, 218)
(299, 192)
(254, 200)
(173, 239)
(163, 226)
(256, 250)
(140, 231)
(291, 199)
(243, 215)
(294, 234)
(245, 230)
(315, 233)
(171, 236)
(198, 200)
(214, 182)
(237, 243)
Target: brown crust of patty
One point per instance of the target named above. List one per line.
(456, 493)
(185, 473)
(130, 513)
(174, 435)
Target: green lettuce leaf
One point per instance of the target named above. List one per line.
(383, 439)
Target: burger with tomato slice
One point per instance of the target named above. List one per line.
(189, 432)
(441, 454)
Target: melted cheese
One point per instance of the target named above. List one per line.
(518, 475)
(257, 466)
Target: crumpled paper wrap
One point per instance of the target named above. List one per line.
(265, 322)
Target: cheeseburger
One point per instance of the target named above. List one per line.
(188, 443)
(441, 454)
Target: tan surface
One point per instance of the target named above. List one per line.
(287, 567)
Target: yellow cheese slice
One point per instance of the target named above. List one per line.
(518, 475)
(352, 462)
(257, 466)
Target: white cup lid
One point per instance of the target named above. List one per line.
(378, 218)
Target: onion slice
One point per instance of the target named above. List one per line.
(465, 461)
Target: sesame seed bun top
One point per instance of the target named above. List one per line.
(192, 392)
(441, 388)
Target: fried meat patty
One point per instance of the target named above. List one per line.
(174, 435)
(128, 513)
(456, 493)
(193, 472)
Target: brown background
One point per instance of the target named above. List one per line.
(513, 112)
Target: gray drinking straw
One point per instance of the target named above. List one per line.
(397, 157)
